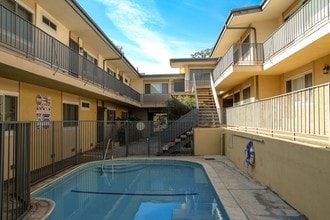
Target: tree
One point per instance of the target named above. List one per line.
(178, 106)
(202, 54)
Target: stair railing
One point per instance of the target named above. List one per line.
(215, 96)
(195, 91)
(178, 127)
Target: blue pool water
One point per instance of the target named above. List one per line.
(137, 190)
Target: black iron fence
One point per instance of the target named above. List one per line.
(33, 151)
(23, 37)
(15, 145)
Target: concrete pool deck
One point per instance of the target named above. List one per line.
(242, 197)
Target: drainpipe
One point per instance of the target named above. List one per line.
(251, 28)
(117, 58)
(257, 87)
(255, 40)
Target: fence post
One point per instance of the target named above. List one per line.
(76, 142)
(53, 146)
(126, 137)
(2, 163)
(329, 116)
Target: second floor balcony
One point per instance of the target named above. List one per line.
(305, 31)
(312, 16)
(24, 38)
(245, 54)
(302, 116)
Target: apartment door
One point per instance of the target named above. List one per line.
(74, 58)
(100, 124)
(70, 130)
(246, 56)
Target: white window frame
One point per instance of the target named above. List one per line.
(85, 108)
(303, 74)
(8, 93)
(51, 22)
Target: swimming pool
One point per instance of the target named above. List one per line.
(135, 189)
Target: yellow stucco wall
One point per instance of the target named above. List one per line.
(61, 33)
(207, 141)
(28, 102)
(299, 173)
(141, 114)
(319, 77)
(8, 86)
(87, 114)
(267, 27)
(269, 86)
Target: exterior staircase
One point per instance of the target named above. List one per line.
(177, 137)
(207, 112)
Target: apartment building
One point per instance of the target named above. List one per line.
(269, 72)
(272, 80)
(54, 55)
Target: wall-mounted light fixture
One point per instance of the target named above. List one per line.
(326, 69)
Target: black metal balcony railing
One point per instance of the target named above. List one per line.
(309, 16)
(23, 37)
(240, 54)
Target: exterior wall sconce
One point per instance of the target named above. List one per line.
(326, 69)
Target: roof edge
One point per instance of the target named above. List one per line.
(237, 12)
(84, 15)
(178, 60)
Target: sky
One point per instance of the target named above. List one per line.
(151, 32)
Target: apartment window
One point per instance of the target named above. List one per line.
(70, 115)
(49, 23)
(237, 97)
(18, 9)
(201, 74)
(90, 57)
(111, 116)
(246, 48)
(156, 88)
(124, 115)
(178, 85)
(8, 108)
(301, 82)
(112, 73)
(247, 93)
(85, 105)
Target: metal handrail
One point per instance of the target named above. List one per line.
(178, 127)
(194, 90)
(106, 152)
(215, 96)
